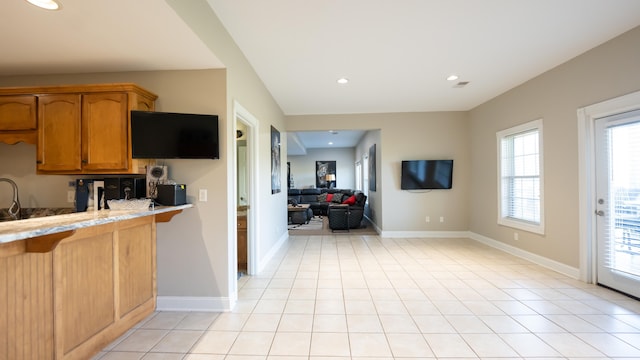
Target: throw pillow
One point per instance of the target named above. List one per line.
(337, 198)
(322, 197)
(350, 200)
(329, 197)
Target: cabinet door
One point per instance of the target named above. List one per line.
(17, 112)
(105, 129)
(59, 133)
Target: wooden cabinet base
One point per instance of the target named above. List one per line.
(73, 301)
(105, 337)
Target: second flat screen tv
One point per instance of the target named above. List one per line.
(164, 135)
(426, 174)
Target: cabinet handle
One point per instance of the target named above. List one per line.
(84, 161)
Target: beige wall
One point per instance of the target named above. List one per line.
(268, 217)
(195, 248)
(406, 136)
(608, 71)
(303, 167)
(196, 237)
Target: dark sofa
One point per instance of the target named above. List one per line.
(316, 198)
(345, 217)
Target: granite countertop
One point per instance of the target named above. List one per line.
(33, 227)
(28, 213)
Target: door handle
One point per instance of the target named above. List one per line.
(599, 212)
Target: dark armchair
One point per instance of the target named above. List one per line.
(345, 217)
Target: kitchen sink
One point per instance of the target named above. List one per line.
(29, 213)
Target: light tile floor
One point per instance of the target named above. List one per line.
(365, 297)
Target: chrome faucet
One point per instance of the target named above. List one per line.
(14, 209)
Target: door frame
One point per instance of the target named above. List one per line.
(587, 175)
(243, 115)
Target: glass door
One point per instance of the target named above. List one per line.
(618, 202)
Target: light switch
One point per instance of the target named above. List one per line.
(203, 195)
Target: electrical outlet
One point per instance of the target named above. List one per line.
(441, 218)
(427, 219)
(202, 196)
(71, 196)
(515, 236)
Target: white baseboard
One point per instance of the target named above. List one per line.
(274, 250)
(561, 268)
(193, 303)
(375, 226)
(534, 258)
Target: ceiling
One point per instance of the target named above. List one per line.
(299, 142)
(396, 54)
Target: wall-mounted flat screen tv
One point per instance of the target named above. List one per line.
(165, 135)
(426, 174)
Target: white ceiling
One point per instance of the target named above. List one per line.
(397, 53)
(97, 36)
(299, 142)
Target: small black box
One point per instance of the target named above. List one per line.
(170, 195)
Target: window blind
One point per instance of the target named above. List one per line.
(521, 176)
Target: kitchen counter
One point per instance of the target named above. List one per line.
(29, 228)
(72, 284)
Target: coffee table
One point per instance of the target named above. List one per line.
(298, 214)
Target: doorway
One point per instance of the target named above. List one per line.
(608, 189)
(617, 140)
(246, 191)
(242, 195)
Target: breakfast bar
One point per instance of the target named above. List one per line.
(71, 284)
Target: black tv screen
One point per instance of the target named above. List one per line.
(165, 135)
(426, 174)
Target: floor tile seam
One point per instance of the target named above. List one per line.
(547, 316)
(573, 334)
(634, 345)
(154, 344)
(202, 333)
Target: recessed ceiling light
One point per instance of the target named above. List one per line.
(452, 77)
(330, 142)
(343, 81)
(45, 4)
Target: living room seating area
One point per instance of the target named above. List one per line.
(344, 207)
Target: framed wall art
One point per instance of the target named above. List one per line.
(325, 174)
(372, 168)
(275, 161)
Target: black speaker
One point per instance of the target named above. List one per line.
(124, 188)
(133, 188)
(111, 190)
(170, 195)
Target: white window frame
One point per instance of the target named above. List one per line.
(525, 225)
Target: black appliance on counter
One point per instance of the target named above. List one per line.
(114, 188)
(172, 194)
(124, 188)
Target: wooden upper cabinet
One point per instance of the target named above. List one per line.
(79, 129)
(59, 136)
(18, 118)
(105, 130)
(18, 112)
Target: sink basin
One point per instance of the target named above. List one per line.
(28, 213)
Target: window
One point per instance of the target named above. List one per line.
(520, 180)
(365, 174)
(359, 175)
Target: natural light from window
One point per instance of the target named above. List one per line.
(520, 187)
